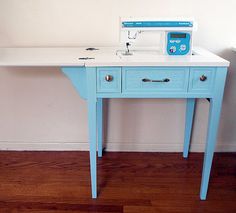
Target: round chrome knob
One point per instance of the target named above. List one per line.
(109, 78)
(203, 78)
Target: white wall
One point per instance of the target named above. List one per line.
(39, 109)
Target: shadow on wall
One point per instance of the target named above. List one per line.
(227, 131)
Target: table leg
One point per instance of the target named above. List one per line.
(214, 117)
(92, 111)
(213, 123)
(92, 121)
(190, 106)
(100, 125)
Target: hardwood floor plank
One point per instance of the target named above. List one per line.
(143, 209)
(61, 207)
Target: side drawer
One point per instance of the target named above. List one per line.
(155, 79)
(201, 79)
(109, 79)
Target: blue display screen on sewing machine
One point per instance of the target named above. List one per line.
(178, 43)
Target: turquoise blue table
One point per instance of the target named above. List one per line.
(187, 82)
(105, 74)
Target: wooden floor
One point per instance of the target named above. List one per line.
(128, 182)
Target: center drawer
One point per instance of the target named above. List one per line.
(148, 79)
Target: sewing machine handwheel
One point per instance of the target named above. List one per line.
(109, 78)
(203, 78)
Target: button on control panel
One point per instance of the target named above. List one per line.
(173, 49)
(182, 47)
(178, 43)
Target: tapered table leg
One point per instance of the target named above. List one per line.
(190, 106)
(92, 121)
(100, 125)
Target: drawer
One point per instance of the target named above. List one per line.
(155, 79)
(109, 79)
(201, 79)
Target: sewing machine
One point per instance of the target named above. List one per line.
(164, 36)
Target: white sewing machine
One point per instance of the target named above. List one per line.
(164, 36)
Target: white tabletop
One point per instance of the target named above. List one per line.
(105, 56)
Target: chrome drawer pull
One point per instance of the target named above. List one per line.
(109, 78)
(203, 78)
(149, 80)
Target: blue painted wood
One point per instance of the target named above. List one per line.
(92, 120)
(213, 123)
(132, 79)
(109, 86)
(198, 86)
(190, 105)
(154, 95)
(187, 85)
(77, 76)
(100, 125)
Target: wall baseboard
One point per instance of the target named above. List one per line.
(131, 147)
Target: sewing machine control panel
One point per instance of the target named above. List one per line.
(178, 43)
